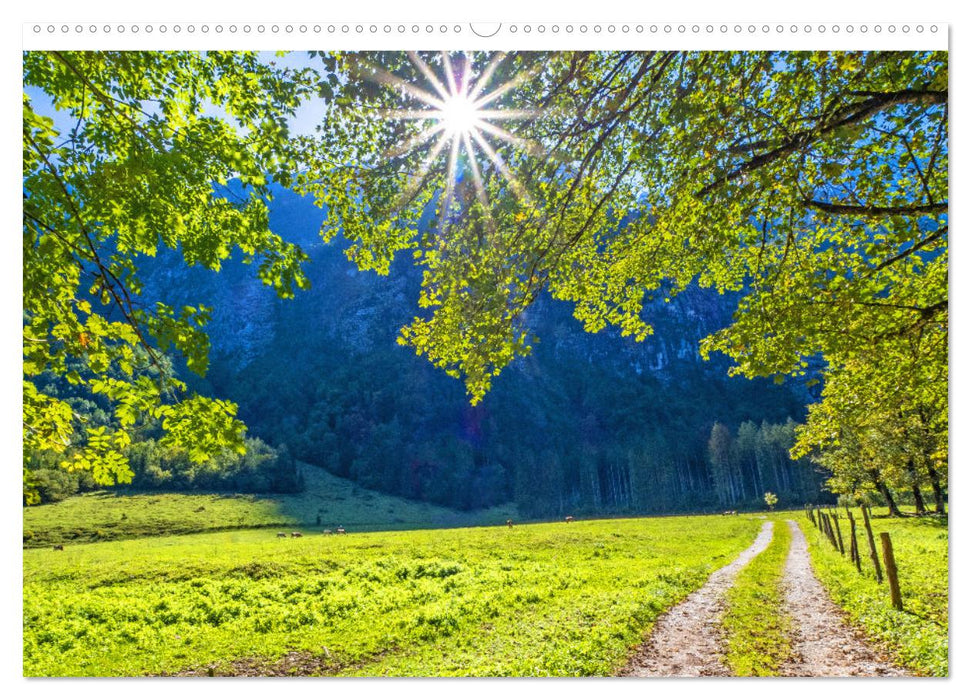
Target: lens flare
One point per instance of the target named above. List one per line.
(457, 112)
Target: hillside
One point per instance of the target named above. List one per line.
(112, 515)
(591, 423)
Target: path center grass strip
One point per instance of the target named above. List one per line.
(917, 635)
(558, 599)
(756, 626)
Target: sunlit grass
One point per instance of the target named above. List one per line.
(327, 498)
(548, 599)
(756, 626)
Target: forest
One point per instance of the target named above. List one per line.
(594, 282)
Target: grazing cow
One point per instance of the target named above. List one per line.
(569, 518)
(328, 532)
(730, 512)
(281, 534)
(58, 547)
(341, 530)
(296, 534)
(509, 523)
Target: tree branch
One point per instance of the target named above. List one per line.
(876, 211)
(851, 114)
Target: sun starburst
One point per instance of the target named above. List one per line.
(456, 113)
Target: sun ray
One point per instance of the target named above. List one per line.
(501, 166)
(409, 114)
(529, 146)
(450, 180)
(508, 114)
(504, 88)
(450, 75)
(427, 72)
(382, 76)
(483, 79)
(415, 140)
(480, 192)
(418, 177)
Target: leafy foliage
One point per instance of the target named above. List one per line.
(816, 183)
(156, 137)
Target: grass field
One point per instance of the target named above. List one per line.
(111, 515)
(756, 630)
(918, 635)
(559, 599)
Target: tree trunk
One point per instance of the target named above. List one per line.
(885, 492)
(915, 488)
(918, 500)
(939, 507)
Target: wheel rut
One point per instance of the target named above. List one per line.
(823, 644)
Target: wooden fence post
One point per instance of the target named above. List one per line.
(809, 512)
(839, 535)
(829, 531)
(854, 547)
(891, 570)
(873, 546)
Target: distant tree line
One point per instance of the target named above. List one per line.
(260, 468)
(755, 459)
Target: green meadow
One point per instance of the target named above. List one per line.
(555, 599)
(327, 502)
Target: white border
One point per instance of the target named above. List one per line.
(371, 34)
(395, 11)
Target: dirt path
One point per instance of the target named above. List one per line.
(686, 640)
(822, 643)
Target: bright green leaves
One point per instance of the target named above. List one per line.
(165, 149)
(103, 456)
(202, 426)
(47, 421)
(182, 332)
(813, 183)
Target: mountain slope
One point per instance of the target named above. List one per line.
(111, 515)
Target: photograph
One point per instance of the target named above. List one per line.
(491, 363)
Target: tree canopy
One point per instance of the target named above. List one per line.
(156, 137)
(815, 184)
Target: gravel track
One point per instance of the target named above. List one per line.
(687, 639)
(823, 644)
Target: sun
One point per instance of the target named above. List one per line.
(461, 114)
(458, 115)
